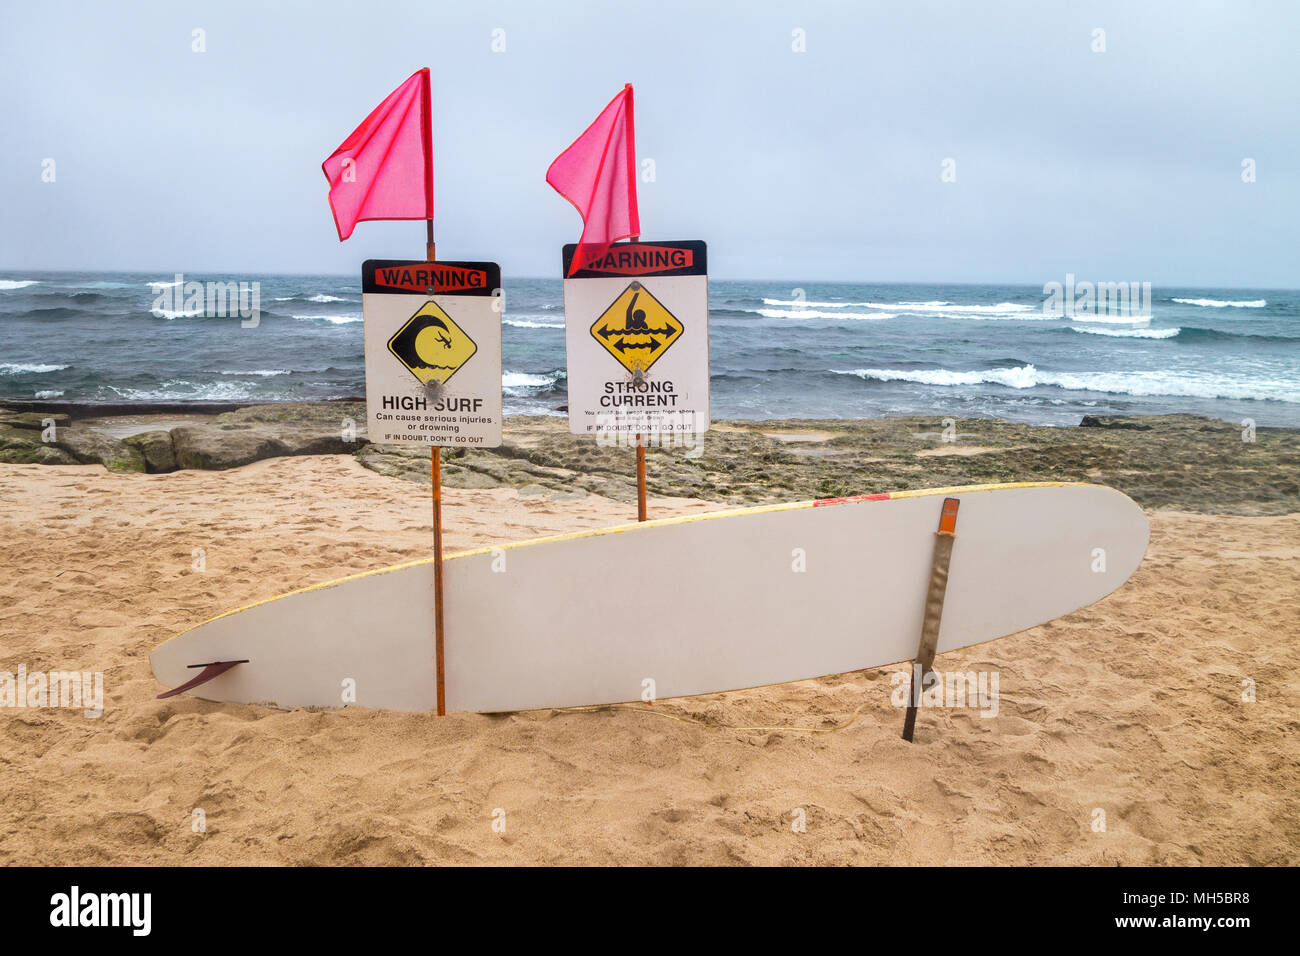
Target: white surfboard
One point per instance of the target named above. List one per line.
(696, 604)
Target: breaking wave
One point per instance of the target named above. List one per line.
(1225, 303)
(177, 313)
(816, 314)
(522, 384)
(19, 368)
(1130, 333)
(1146, 383)
(526, 324)
(336, 319)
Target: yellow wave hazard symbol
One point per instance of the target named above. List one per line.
(431, 345)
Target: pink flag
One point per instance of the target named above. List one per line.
(598, 175)
(384, 170)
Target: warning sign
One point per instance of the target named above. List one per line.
(433, 352)
(636, 329)
(431, 345)
(637, 337)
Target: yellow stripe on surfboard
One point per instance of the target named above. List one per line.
(656, 523)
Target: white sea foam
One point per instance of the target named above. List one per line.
(263, 372)
(1226, 303)
(817, 314)
(177, 314)
(164, 285)
(1031, 315)
(1021, 377)
(525, 324)
(529, 380)
(1162, 383)
(9, 285)
(938, 309)
(806, 303)
(322, 297)
(20, 368)
(49, 393)
(1117, 318)
(1130, 333)
(1002, 308)
(175, 389)
(336, 319)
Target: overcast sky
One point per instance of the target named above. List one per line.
(826, 164)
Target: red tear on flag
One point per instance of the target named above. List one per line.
(598, 175)
(384, 169)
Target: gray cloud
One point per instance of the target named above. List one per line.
(824, 164)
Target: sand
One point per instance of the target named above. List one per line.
(1132, 707)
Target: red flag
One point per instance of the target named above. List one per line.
(598, 175)
(384, 170)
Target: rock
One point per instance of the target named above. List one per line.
(317, 418)
(92, 447)
(156, 446)
(250, 434)
(454, 477)
(505, 467)
(209, 447)
(411, 462)
(228, 440)
(315, 443)
(510, 449)
(33, 420)
(383, 460)
(1114, 421)
(23, 446)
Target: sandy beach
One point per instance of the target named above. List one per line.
(1132, 706)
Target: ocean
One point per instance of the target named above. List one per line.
(778, 349)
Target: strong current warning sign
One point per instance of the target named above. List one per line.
(433, 352)
(637, 337)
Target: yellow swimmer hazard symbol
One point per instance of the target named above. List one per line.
(636, 329)
(431, 345)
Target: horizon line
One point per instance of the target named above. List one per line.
(868, 282)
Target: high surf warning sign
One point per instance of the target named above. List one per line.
(637, 338)
(433, 352)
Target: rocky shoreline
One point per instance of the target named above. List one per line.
(1182, 462)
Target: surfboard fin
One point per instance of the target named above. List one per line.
(215, 669)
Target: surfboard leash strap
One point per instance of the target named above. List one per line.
(934, 595)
